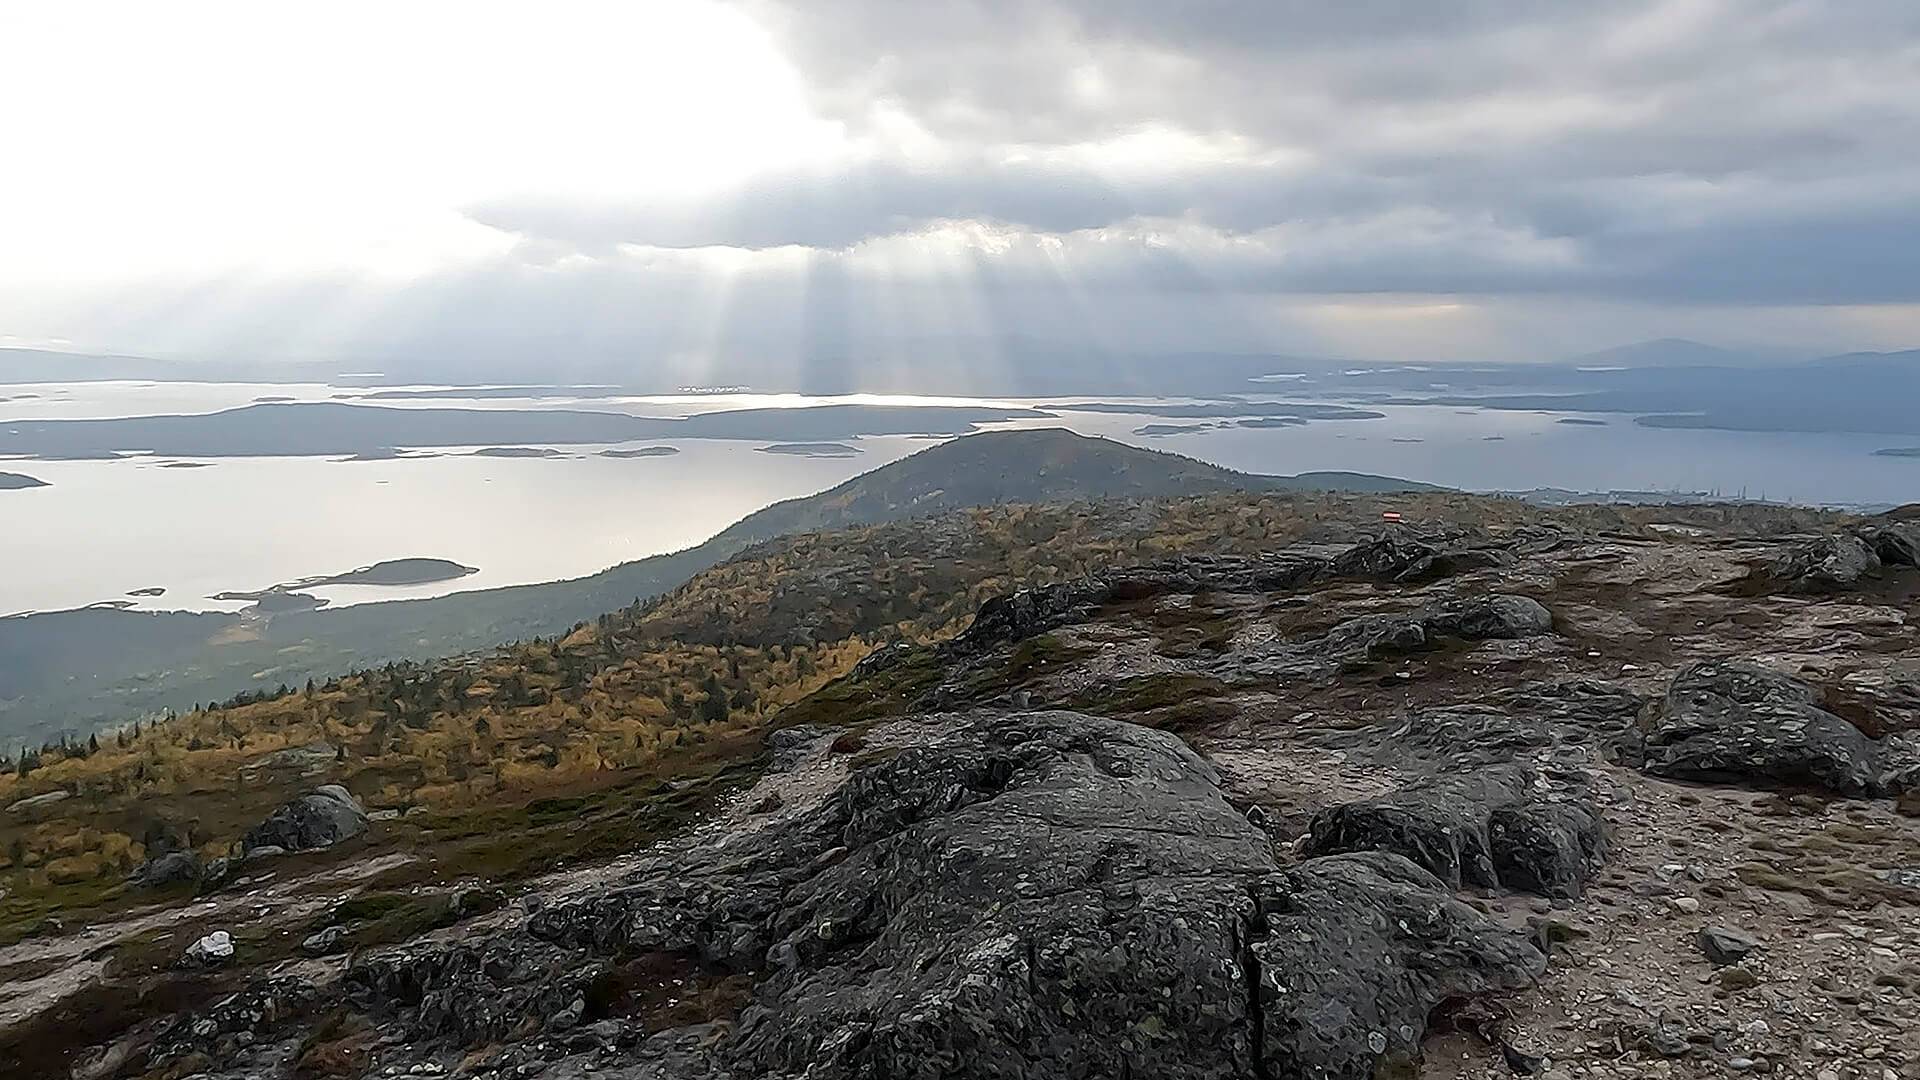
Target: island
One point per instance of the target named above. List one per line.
(519, 452)
(1233, 407)
(642, 452)
(812, 449)
(395, 572)
(151, 590)
(340, 430)
(1581, 421)
(1160, 430)
(10, 481)
(387, 453)
(1274, 422)
(186, 464)
(1891, 451)
(289, 596)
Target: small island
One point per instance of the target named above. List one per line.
(1160, 430)
(1899, 451)
(642, 452)
(1274, 422)
(289, 596)
(186, 464)
(812, 449)
(387, 453)
(19, 481)
(519, 452)
(1581, 421)
(395, 572)
(151, 590)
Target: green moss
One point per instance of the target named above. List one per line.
(1039, 655)
(26, 909)
(388, 918)
(1173, 701)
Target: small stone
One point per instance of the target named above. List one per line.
(1686, 905)
(324, 941)
(1724, 945)
(214, 949)
(1736, 978)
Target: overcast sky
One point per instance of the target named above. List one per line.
(1498, 179)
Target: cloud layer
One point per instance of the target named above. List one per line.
(1760, 151)
(1507, 179)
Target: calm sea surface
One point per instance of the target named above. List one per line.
(104, 528)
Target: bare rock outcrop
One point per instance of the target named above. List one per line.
(1000, 896)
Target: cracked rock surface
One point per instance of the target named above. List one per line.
(1009, 895)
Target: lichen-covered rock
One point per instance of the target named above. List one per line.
(1486, 618)
(1374, 637)
(1472, 619)
(1824, 564)
(1001, 896)
(1494, 828)
(321, 819)
(1739, 722)
(1354, 952)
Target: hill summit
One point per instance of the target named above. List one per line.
(75, 671)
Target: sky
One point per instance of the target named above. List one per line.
(502, 187)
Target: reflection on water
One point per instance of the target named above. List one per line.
(106, 529)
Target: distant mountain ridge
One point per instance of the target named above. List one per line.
(1665, 352)
(85, 668)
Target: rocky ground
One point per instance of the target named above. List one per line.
(1479, 804)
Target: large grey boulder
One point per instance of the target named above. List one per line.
(1739, 722)
(321, 819)
(1824, 564)
(1496, 828)
(1481, 618)
(1490, 617)
(168, 868)
(1895, 544)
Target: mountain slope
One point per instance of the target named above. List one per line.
(78, 670)
(1664, 352)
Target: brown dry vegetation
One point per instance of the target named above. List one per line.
(645, 694)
